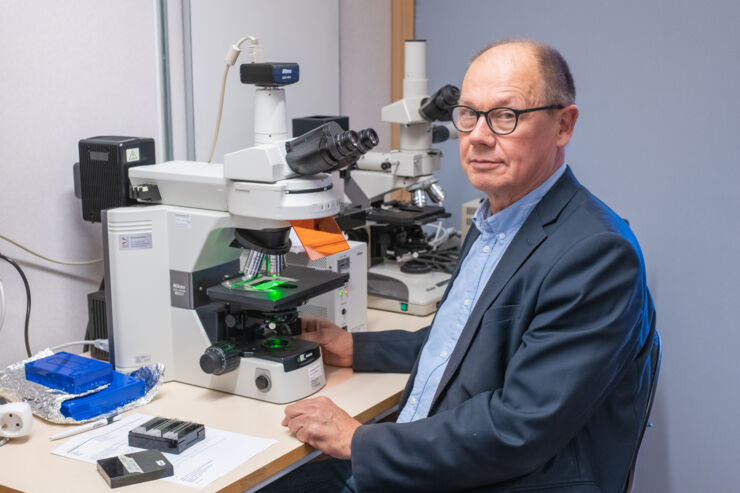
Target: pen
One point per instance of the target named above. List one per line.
(86, 427)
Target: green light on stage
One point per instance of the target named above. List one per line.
(239, 283)
(275, 343)
(268, 284)
(274, 295)
(404, 307)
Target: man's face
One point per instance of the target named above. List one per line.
(507, 167)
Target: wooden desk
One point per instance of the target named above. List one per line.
(27, 464)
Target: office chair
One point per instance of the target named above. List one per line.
(655, 356)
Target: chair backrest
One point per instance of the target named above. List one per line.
(655, 356)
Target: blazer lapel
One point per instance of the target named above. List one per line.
(526, 241)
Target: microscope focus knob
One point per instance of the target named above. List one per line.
(220, 358)
(262, 382)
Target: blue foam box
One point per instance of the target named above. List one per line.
(71, 373)
(122, 390)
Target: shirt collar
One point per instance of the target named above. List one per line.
(510, 219)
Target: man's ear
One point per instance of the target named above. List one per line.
(566, 123)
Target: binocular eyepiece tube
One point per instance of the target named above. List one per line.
(328, 148)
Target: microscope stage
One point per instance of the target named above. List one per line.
(289, 290)
(406, 214)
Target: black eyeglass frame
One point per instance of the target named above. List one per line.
(485, 114)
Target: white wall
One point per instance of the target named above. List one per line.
(71, 70)
(83, 68)
(302, 31)
(365, 64)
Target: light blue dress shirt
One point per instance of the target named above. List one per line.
(496, 233)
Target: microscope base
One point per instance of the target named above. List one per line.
(392, 290)
(283, 386)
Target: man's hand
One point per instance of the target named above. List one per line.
(336, 344)
(323, 425)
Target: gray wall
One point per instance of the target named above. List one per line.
(657, 139)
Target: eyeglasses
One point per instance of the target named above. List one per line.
(501, 120)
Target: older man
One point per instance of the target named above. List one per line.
(534, 374)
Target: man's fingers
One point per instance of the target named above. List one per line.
(295, 409)
(307, 323)
(295, 424)
(304, 407)
(312, 336)
(314, 324)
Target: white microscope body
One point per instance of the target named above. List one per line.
(393, 229)
(379, 173)
(175, 290)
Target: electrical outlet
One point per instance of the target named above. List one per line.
(15, 419)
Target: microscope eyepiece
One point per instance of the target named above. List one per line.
(438, 106)
(368, 139)
(328, 148)
(346, 143)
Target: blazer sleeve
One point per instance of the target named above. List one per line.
(392, 351)
(588, 324)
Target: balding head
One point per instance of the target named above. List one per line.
(556, 80)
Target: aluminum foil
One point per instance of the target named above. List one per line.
(46, 402)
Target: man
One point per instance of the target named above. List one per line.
(535, 372)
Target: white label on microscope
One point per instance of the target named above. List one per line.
(135, 242)
(183, 221)
(315, 375)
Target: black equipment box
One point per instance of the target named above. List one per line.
(103, 171)
(168, 435)
(269, 74)
(138, 467)
(305, 124)
(97, 327)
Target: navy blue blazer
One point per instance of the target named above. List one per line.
(547, 386)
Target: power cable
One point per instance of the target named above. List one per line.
(255, 55)
(63, 262)
(2, 305)
(28, 299)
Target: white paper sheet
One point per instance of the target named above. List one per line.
(220, 452)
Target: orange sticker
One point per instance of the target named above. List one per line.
(320, 237)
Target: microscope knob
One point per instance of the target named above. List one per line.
(231, 320)
(262, 382)
(220, 358)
